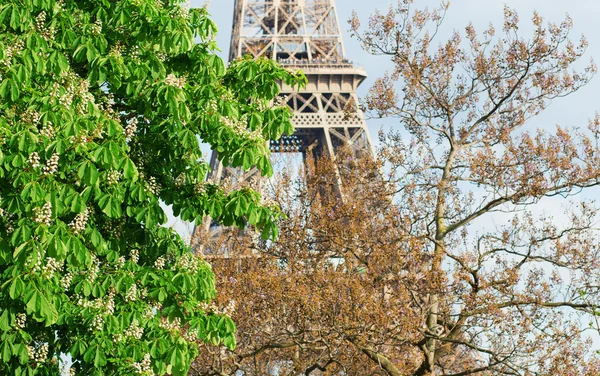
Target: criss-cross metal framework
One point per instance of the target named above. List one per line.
(303, 34)
(288, 29)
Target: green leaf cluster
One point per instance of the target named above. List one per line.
(103, 106)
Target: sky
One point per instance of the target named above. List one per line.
(574, 110)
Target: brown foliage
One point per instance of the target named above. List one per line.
(424, 283)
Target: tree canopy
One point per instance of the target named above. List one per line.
(437, 261)
(102, 107)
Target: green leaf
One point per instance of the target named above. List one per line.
(21, 235)
(5, 88)
(4, 321)
(90, 353)
(32, 303)
(256, 120)
(57, 248)
(23, 354)
(6, 351)
(110, 206)
(14, 92)
(129, 169)
(88, 173)
(16, 288)
(99, 358)
(230, 342)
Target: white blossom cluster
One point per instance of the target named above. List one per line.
(106, 105)
(43, 215)
(20, 320)
(36, 265)
(153, 186)
(83, 302)
(160, 262)
(59, 6)
(140, 166)
(40, 20)
(135, 255)
(94, 269)
(173, 325)
(252, 183)
(97, 323)
(109, 304)
(161, 56)
(180, 180)
(74, 87)
(280, 101)
(66, 99)
(117, 49)
(268, 202)
(114, 228)
(34, 160)
(211, 106)
(212, 308)
(113, 177)
(48, 131)
(106, 305)
(31, 116)
(227, 96)
(66, 280)
(55, 90)
(143, 367)
(200, 188)
(12, 50)
(227, 185)
(134, 331)
(97, 27)
(51, 166)
(120, 263)
(237, 126)
(183, 10)
(39, 354)
(152, 310)
(187, 262)
(134, 52)
(83, 90)
(79, 222)
(240, 128)
(172, 80)
(131, 293)
(191, 336)
(40, 24)
(131, 128)
(51, 266)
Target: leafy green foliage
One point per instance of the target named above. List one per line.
(102, 107)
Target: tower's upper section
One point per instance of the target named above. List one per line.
(293, 32)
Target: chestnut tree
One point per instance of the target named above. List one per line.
(102, 107)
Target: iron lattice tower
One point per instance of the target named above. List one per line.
(303, 34)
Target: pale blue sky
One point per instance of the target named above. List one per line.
(571, 111)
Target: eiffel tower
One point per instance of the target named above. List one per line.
(302, 34)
